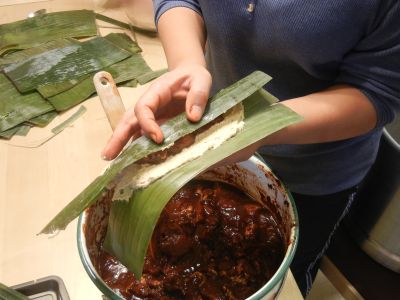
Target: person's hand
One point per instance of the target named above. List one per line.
(184, 88)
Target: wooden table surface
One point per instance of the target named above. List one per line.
(35, 183)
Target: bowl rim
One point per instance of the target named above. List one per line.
(87, 263)
(276, 280)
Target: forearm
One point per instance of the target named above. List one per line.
(338, 113)
(182, 34)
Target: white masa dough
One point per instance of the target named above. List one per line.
(139, 176)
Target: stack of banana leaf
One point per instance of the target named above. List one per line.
(47, 68)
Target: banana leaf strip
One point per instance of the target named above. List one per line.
(52, 26)
(123, 41)
(75, 95)
(9, 133)
(132, 67)
(43, 120)
(131, 223)
(16, 108)
(149, 76)
(76, 115)
(128, 69)
(173, 129)
(49, 90)
(20, 130)
(24, 54)
(130, 27)
(64, 64)
(143, 79)
(130, 83)
(10, 294)
(9, 49)
(23, 130)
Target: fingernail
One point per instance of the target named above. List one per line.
(196, 111)
(153, 136)
(103, 157)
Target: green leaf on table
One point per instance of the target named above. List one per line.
(16, 108)
(8, 293)
(43, 28)
(21, 130)
(52, 89)
(9, 133)
(43, 120)
(122, 71)
(130, 27)
(76, 115)
(66, 64)
(130, 83)
(173, 129)
(24, 54)
(145, 78)
(123, 41)
(149, 76)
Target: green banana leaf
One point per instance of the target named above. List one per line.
(9, 49)
(50, 90)
(120, 40)
(74, 95)
(24, 128)
(76, 115)
(173, 129)
(21, 130)
(24, 54)
(123, 41)
(130, 83)
(16, 108)
(149, 76)
(64, 64)
(7, 293)
(43, 120)
(143, 79)
(129, 69)
(130, 27)
(37, 30)
(125, 70)
(9, 133)
(131, 223)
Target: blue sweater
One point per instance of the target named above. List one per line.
(307, 46)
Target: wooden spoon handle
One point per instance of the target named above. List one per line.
(109, 97)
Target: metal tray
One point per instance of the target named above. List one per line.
(47, 288)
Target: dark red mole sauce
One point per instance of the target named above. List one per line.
(211, 242)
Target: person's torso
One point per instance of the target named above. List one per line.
(300, 43)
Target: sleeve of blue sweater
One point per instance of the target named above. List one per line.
(161, 6)
(373, 65)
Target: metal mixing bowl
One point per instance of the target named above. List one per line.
(254, 178)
